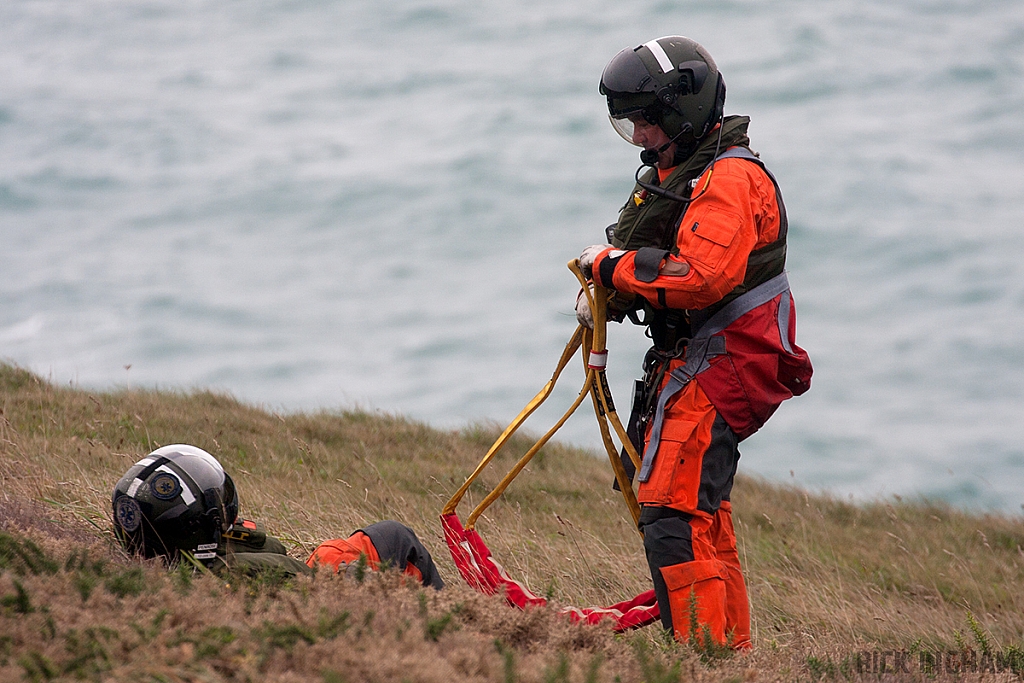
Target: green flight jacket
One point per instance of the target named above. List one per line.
(251, 551)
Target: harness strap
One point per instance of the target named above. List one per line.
(767, 254)
(744, 153)
(705, 344)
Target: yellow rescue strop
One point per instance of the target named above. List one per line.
(470, 553)
(593, 342)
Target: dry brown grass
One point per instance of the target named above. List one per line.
(827, 578)
(890, 573)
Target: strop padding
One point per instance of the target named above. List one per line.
(471, 555)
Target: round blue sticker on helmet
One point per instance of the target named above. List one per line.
(165, 486)
(128, 514)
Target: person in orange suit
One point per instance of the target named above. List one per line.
(698, 257)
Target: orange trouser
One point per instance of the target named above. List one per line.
(713, 581)
(737, 605)
(687, 524)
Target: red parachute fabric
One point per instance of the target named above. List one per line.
(478, 567)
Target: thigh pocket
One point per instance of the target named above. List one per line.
(697, 589)
(675, 479)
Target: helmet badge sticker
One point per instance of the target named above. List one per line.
(165, 486)
(128, 514)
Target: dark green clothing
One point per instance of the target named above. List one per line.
(246, 547)
(254, 563)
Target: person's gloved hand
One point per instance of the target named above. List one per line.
(583, 313)
(588, 257)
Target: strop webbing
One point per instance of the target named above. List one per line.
(471, 555)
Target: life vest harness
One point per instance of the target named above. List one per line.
(671, 329)
(668, 328)
(762, 263)
(470, 553)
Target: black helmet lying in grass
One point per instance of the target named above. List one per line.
(178, 498)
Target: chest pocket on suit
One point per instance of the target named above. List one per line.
(705, 235)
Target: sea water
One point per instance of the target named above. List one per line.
(327, 204)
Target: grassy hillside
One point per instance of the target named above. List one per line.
(827, 579)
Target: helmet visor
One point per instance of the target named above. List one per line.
(624, 127)
(623, 110)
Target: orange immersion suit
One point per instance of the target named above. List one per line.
(714, 393)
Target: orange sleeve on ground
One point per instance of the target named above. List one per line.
(339, 551)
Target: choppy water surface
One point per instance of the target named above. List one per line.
(324, 204)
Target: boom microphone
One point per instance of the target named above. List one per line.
(649, 157)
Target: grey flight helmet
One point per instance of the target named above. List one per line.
(178, 498)
(673, 83)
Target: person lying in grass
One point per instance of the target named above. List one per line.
(179, 502)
